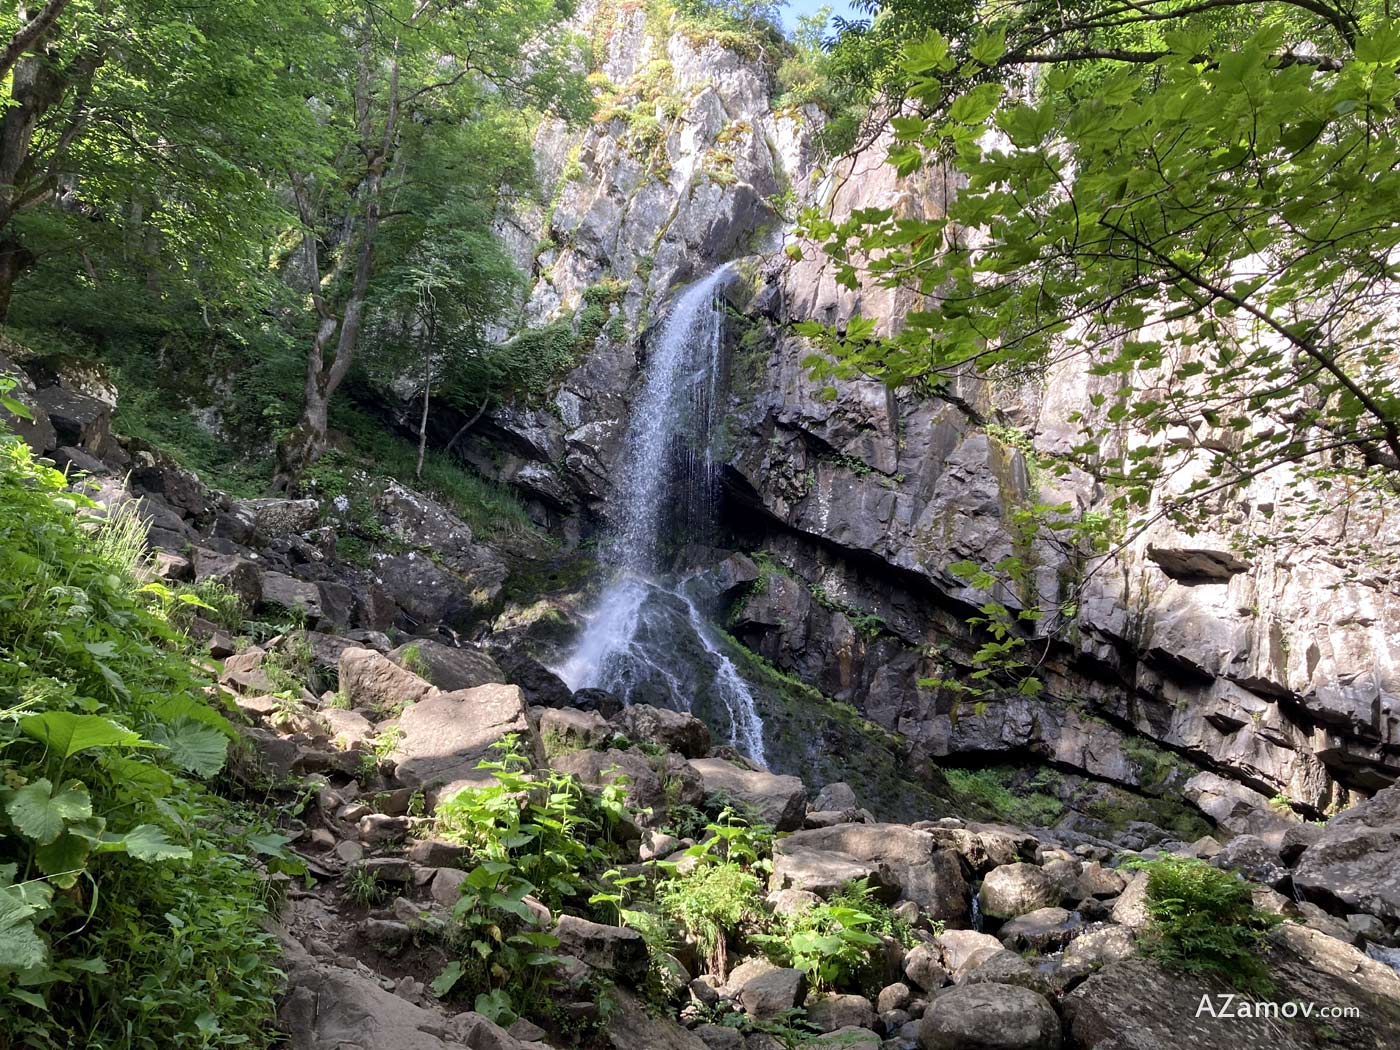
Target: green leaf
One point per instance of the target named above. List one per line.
(444, 982)
(66, 733)
(39, 812)
(21, 947)
(148, 842)
(196, 748)
(17, 408)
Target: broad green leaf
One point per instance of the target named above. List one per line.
(444, 982)
(39, 812)
(66, 733)
(21, 947)
(148, 842)
(196, 748)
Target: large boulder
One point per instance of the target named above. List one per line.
(426, 594)
(824, 873)
(673, 730)
(1015, 889)
(989, 1017)
(236, 574)
(927, 874)
(780, 801)
(616, 950)
(287, 592)
(448, 667)
(271, 518)
(446, 736)
(772, 993)
(371, 679)
(77, 419)
(36, 431)
(632, 1026)
(600, 768)
(1355, 863)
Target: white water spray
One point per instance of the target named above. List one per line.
(646, 641)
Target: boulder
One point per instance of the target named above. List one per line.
(541, 686)
(825, 873)
(923, 964)
(928, 875)
(446, 736)
(779, 800)
(964, 950)
(1254, 859)
(616, 950)
(1043, 930)
(838, 796)
(1095, 948)
(769, 995)
(673, 730)
(287, 592)
(1235, 808)
(1015, 889)
(36, 432)
(349, 729)
(631, 1026)
(1354, 866)
(598, 768)
(271, 518)
(984, 846)
(236, 574)
(989, 1017)
(567, 729)
(1130, 909)
(448, 667)
(371, 679)
(426, 594)
(832, 1012)
(77, 419)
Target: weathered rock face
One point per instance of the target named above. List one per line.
(1275, 673)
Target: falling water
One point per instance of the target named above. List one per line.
(647, 641)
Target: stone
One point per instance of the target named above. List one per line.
(599, 768)
(826, 873)
(371, 679)
(1094, 948)
(984, 846)
(1130, 909)
(1354, 865)
(377, 829)
(780, 801)
(427, 595)
(989, 1017)
(1235, 808)
(923, 965)
(605, 703)
(768, 995)
(838, 796)
(384, 935)
(349, 729)
(1043, 930)
(833, 1012)
(275, 517)
(964, 950)
(389, 869)
(893, 997)
(617, 950)
(286, 592)
(673, 730)
(565, 729)
(37, 431)
(631, 1026)
(1101, 882)
(1015, 889)
(927, 874)
(541, 686)
(445, 736)
(850, 1037)
(1007, 967)
(720, 1037)
(1296, 840)
(447, 885)
(450, 668)
(434, 853)
(77, 419)
(232, 572)
(1255, 860)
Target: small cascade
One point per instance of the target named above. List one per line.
(647, 640)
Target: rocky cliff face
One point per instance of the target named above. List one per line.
(1191, 669)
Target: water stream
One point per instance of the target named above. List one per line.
(647, 641)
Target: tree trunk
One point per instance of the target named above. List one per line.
(422, 433)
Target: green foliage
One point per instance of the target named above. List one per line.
(103, 733)
(1204, 167)
(711, 905)
(1204, 920)
(990, 790)
(834, 942)
(361, 887)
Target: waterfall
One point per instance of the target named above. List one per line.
(647, 640)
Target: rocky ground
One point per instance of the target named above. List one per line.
(376, 706)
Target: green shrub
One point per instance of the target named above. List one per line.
(130, 913)
(711, 904)
(835, 942)
(1204, 920)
